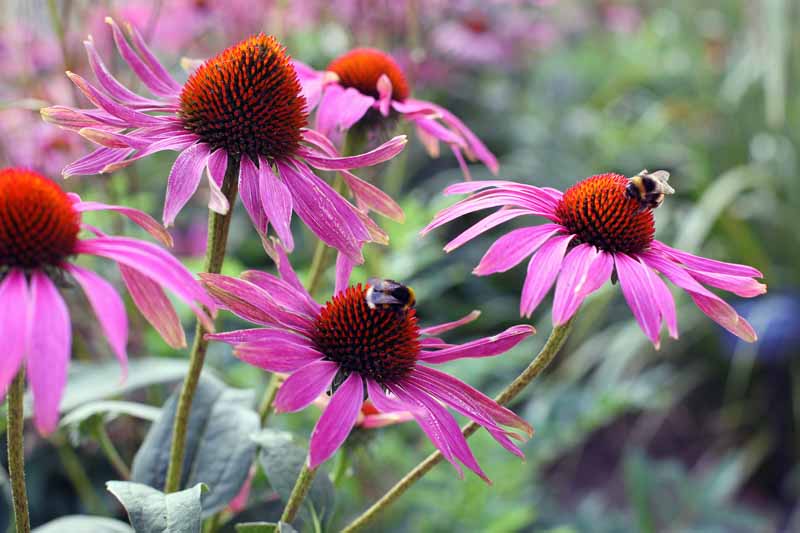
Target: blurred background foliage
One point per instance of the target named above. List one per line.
(703, 435)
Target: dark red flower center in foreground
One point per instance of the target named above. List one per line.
(382, 344)
(38, 225)
(598, 212)
(246, 100)
(360, 68)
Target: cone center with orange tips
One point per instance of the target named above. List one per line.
(362, 67)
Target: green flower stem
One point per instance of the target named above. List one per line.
(76, 473)
(16, 452)
(218, 226)
(301, 488)
(548, 352)
(265, 409)
(111, 452)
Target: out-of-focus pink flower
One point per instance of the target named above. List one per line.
(228, 112)
(39, 227)
(356, 351)
(366, 86)
(369, 417)
(596, 229)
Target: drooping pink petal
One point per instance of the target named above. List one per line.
(184, 179)
(250, 193)
(535, 198)
(278, 255)
(109, 309)
(304, 385)
(336, 421)
(369, 197)
(344, 267)
(510, 249)
(142, 219)
(151, 61)
(131, 116)
(637, 287)
(75, 119)
(738, 285)
(340, 108)
(386, 401)
(277, 354)
(151, 300)
(50, 345)
(462, 163)
(543, 268)
(176, 143)
(276, 198)
(95, 162)
(485, 347)
(382, 153)
(384, 87)
(666, 304)
(110, 83)
(15, 325)
(217, 166)
(484, 225)
(282, 292)
(441, 328)
(585, 269)
(113, 139)
(704, 264)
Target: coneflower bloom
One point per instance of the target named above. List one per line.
(244, 105)
(367, 87)
(357, 353)
(596, 231)
(39, 227)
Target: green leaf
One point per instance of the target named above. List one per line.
(282, 459)
(152, 511)
(218, 451)
(264, 527)
(112, 409)
(84, 524)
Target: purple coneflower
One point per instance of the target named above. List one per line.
(243, 106)
(39, 226)
(596, 230)
(367, 87)
(358, 353)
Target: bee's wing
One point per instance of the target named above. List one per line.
(663, 177)
(380, 298)
(375, 282)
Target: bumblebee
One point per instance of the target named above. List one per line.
(649, 188)
(388, 294)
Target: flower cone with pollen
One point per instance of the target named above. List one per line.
(357, 353)
(241, 114)
(39, 234)
(595, 231)
(362, 68)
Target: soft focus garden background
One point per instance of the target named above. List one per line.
(703, 435)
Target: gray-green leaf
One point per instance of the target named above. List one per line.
(84, 524)
(152, 511)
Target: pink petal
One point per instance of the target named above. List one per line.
(142, 219)
(303, 386)
(256, 335)
(132, 117)
(109, 309)
(336, 421)
(510, 249)
(382, 153)
(15, 325)
(50, 345)
(707, 265)
(344, 267)
(217, 166)
(441, 328)
(485, 347)
(288, 274)
(250, 193)
(183, 179)
(151, 300)
(277, 353)
(95, 162)
(637, 287)
(384, 87)
(484, 225)
(666, 304)
(340, 108)
(585, 269)
(149, 58)
(277, 202)
(283, 292)
(110, 83)
(152, 80)
(543, 269)
(738, 285)
(369, 197)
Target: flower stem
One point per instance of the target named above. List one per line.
(218, 226)
(265, 408)
(548, 352)
(111, 452)
(16, 453)
(301, 488)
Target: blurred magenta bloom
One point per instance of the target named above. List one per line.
(244, 105)
(594, 230)
(356, 352)
(367, 86)
(39, 227)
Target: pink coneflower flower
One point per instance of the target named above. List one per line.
(596, 230)
(39, 226)
(243, 106)
(366, 87)
(360, 353)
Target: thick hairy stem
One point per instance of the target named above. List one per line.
(16, 453)
(301, 488)
(218, 226)
(548, 352)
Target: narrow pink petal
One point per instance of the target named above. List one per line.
(485, 347)
(336, 421)
(534, 198)
(216, 167)
(484, 225)
(15, 325)
(707, 265)
(257, 335)
(110, 83)
(384, 87)
(382, 153)
(250, 193)
(510, 249)
(543, 269)
(369, 197)
(75, 119)
(177, 143)
(151, 300)
(276, 198)
(303, 386)
(429, 142)
(95, 162)
(585, 269)
(344, 267)
(142, 219)
(283, 292)
(108, 308)
(278, 255)
(150, 60)
(50, 346)
(462, 163)
(666, 304)
(738, 285)
(437, 131)
(112, 139)
(634, 278)
(340, 108)
(183, 179)
(386, 401)
(151, 80)
(277, 354)
(441, 328)
(131, 116)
